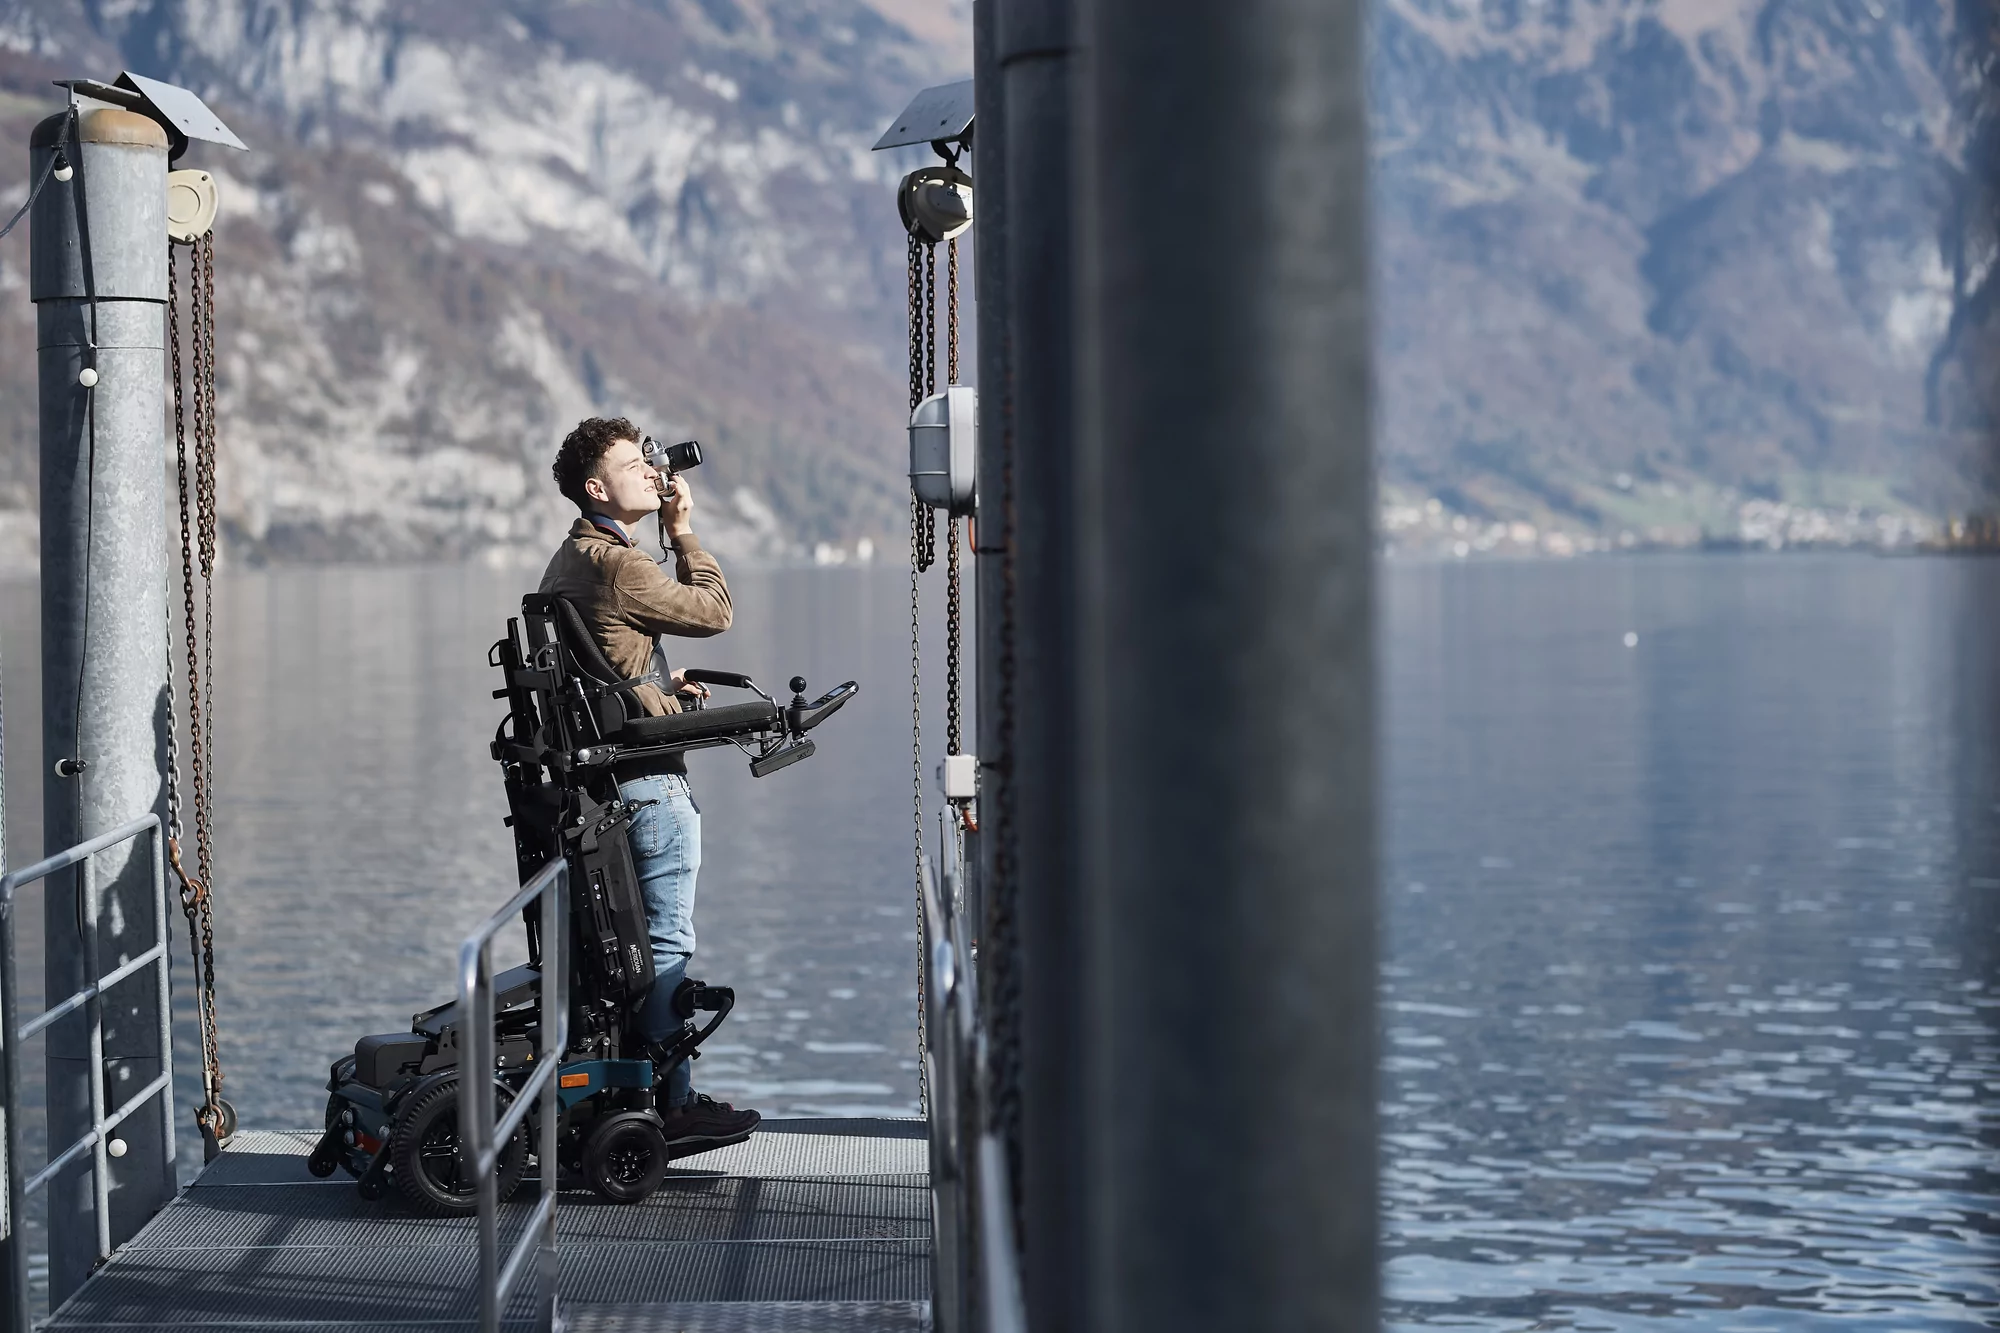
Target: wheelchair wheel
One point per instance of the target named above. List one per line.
(326, 1154)
(423, 1150)
(625, 1157)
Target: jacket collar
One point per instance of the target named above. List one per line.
(599, 525)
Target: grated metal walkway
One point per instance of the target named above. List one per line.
(813, 1226)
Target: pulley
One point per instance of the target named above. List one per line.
(191, 204)
(935, 203)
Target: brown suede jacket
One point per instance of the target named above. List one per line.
(627, 598)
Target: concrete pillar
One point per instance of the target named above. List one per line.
(1227, 807)
(102, 235)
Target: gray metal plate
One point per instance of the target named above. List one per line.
(699, 1208)
(674, 1317)
(389, 1283)
(188, 113)
(943, 112)
(780, 1148)
(752, 1317)
(783, 1148)
(794, 1243)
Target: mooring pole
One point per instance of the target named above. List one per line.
(998, 974)
(1033, 43)
(1227, 679)
(9, 1297)
(98, 277)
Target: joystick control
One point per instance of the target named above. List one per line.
(798, 691)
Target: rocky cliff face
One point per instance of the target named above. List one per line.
(1648, 270)
(468, 224)
(1645, 267)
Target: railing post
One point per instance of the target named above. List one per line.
(101, 1163)
(16, 1272)
(164, 998)
(553, 1022)
(475, 1082)
(479, 1135)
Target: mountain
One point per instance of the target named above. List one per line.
(466, 224)
(1648, 271)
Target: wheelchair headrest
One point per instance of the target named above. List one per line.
(575, 634)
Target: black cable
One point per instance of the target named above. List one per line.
(48, 170)
(89, 467)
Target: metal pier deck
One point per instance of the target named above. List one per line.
(820, 1225)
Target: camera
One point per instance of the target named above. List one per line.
(668, 459)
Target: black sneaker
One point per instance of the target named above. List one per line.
(705, 1123)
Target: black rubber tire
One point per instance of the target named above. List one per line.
(423, 1149)
(625, 1157)
(325, 1160)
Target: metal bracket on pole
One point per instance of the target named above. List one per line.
(939, 116)
(180, 112)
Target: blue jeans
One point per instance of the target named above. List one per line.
(666, 850)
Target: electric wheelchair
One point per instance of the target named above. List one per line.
(571, 726)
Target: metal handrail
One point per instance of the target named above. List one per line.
(480, 1137)
(96, 1139)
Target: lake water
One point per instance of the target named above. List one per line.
(1688, 941)
(1690, 944)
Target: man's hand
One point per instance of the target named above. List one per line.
(676, 506)
(682, 685)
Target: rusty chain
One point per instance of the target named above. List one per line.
(951, 314)
(198, 547)
(206, 520)
(930, 380)
(923, 377)
(954, 599)
(918, 562)
(953, 615)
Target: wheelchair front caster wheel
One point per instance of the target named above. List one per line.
(625, 1157)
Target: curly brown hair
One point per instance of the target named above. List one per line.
(577, 459)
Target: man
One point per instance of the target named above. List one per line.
(627, 600)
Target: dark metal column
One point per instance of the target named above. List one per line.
(998, 971)
(98, 269)
(1033, 41)
(1228, 807)
(991, 527)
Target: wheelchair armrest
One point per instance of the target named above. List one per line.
(706, 724)
(733, 679)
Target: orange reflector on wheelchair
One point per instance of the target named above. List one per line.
(575, 1080)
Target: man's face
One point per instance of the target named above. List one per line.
(624, 485)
